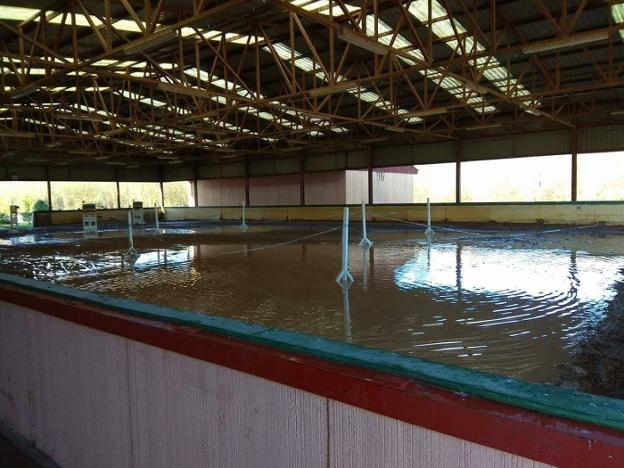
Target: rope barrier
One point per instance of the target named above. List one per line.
(491, 234)
(279, 244)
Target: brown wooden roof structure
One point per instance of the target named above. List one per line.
(170, 82)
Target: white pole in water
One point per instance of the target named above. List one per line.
(365, 242)
(243, 225)
(130, 234)
(156, 219)
(429, 232)
(344, 277)
(131, 252)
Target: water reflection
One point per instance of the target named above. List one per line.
(365, 267)
(165, 257)
(555, 279)
(347, 311)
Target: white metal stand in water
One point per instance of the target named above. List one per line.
(89, 220)
(344, 277)
(156, 219)
(365, 242)
(131, 254)
(137, 213)
(243, 225)
(429, 232)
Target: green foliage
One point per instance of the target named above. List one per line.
(71, 195)
(177, 194)
(39, 205)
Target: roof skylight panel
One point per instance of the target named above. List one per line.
(151, 102)
(14, 13)
(453, 86)
(46, 124)
(139, 97)
(307, 64)
(617, 12)
(162, 133)
(72, 89)
(323, 7)
(443, 28)
(386, 36)
(229, 126)
(215, 35)
(85, 109)
(25, 71)
(243, 92)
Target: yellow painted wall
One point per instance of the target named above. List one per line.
(121, 216)
(565, 213)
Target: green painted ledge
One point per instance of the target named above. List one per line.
(546, 399)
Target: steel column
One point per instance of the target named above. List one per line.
(247, 202)
(574, 175)
(301, 181)
(458, 172)
(370, 176)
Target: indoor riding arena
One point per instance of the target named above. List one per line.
(312, 233)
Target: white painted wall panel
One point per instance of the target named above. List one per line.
(79, 389)
(274, 190)
(360, 438)
(191, 413)
(102, 400)
(221, 192)
(357, 186)
(15, 408)
(390, 187)
(325, 188)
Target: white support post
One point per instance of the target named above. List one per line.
(156, 219)
(131, 254)
(345, 277)
(130, 231)
(429, 232)
(365, 242)
(243, 225)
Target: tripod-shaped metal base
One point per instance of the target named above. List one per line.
(131, 255)
(366, 243)
(344, 278)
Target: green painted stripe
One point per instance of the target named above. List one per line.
(546, 399)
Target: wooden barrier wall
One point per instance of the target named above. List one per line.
(56, 218)
(548, 213)
(94, 381)
(88, 398)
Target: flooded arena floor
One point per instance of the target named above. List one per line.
(535, 303)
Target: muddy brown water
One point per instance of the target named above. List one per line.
(541, 307)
